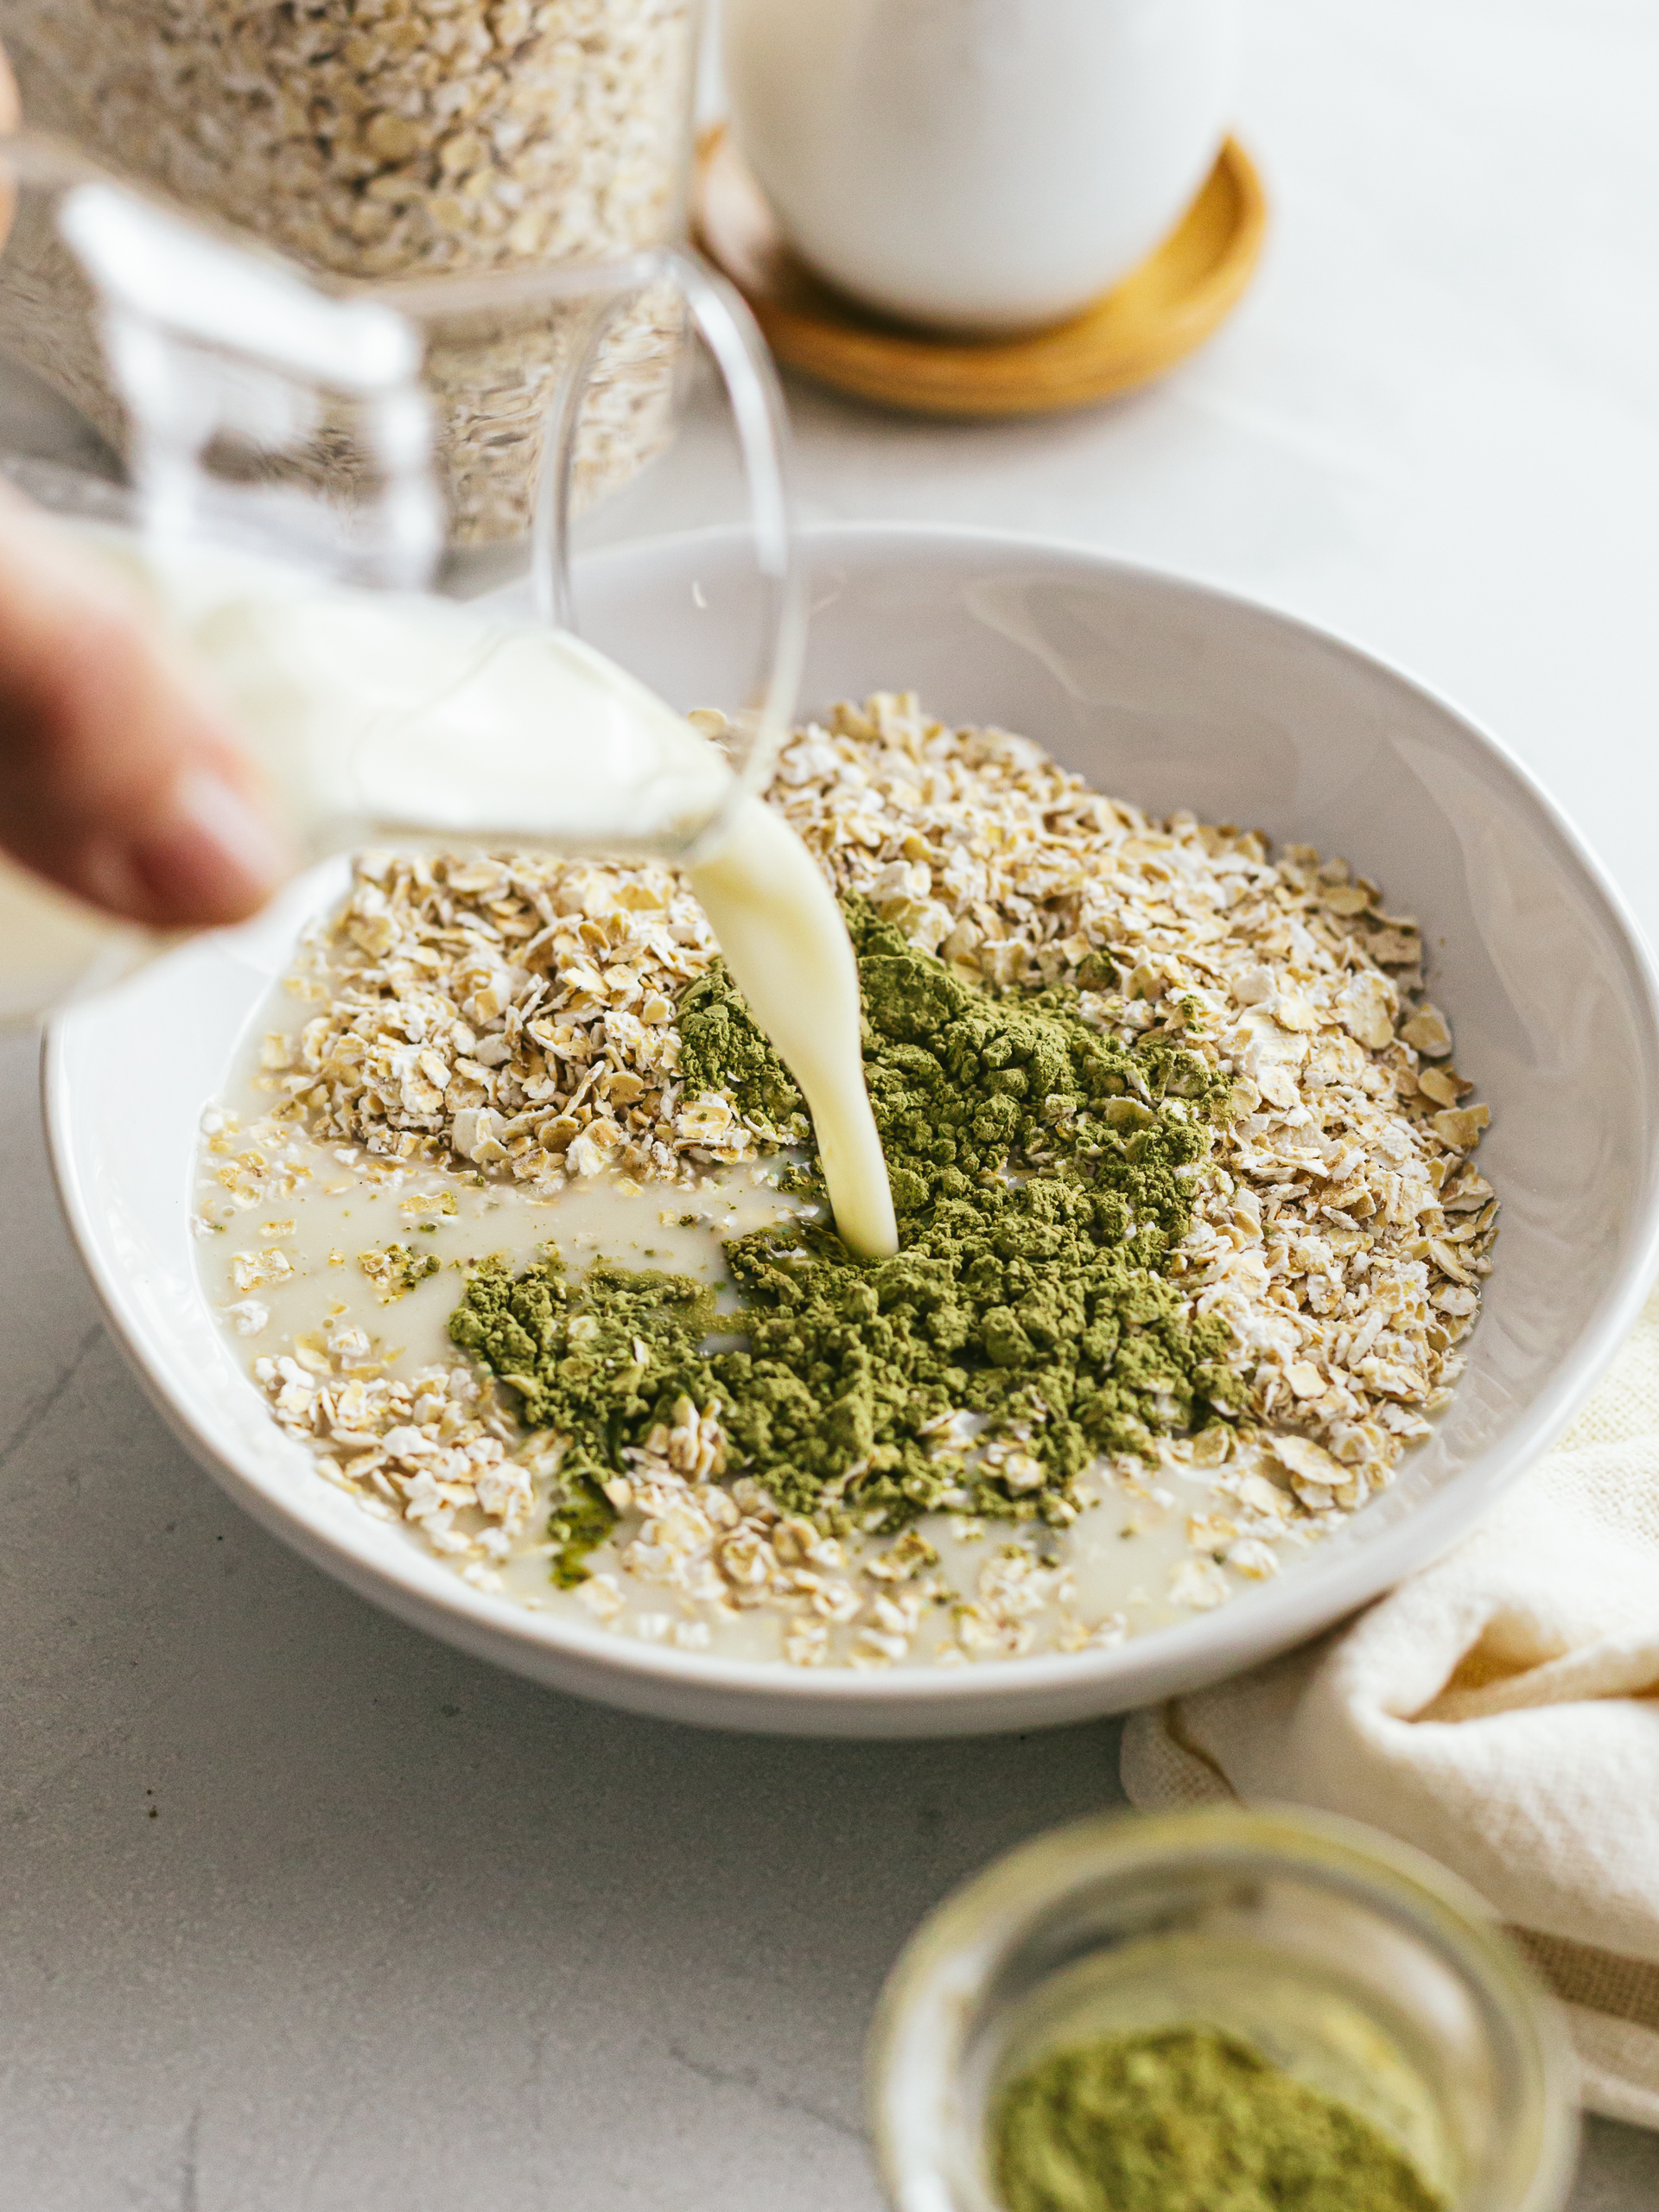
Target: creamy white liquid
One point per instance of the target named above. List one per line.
(382, 716)
(780, 930)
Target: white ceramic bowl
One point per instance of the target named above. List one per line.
(1169, 694)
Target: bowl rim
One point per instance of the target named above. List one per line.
(1127, 1674)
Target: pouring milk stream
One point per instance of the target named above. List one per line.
(381, 717)
(398, 715)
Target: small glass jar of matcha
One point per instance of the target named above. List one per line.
(1224, 2004)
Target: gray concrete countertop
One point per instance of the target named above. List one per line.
(300, 1909)
(301, 1912)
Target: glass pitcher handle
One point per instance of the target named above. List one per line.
(729, 329)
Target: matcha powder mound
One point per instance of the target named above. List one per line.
(1186, 2119)
(1041, 1173)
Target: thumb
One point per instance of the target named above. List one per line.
(120, 780)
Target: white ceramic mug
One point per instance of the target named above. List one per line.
(979, 165)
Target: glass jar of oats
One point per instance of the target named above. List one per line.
(390, 139)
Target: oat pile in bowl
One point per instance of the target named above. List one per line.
(477, 1060)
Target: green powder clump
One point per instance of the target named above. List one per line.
(573, 1353)
(1041, 1175)
(723, 1047)
(1188, 2120)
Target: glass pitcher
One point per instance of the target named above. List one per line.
(286, 515)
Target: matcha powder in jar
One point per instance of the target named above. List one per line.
(1223, 2009)
(1189, 2120)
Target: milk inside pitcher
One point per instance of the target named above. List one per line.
(285, 524)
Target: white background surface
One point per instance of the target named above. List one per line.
(406, 1933)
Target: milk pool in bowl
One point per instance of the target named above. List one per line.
(295, 1235)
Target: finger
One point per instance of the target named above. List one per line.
(119, 778)
(10, 114)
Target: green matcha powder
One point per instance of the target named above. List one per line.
(1042, 1174)
(1186, 2119)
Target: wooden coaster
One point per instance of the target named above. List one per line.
(1171, 304)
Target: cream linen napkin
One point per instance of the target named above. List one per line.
(1501, 1712)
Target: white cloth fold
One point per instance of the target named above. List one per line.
(1501, 1712)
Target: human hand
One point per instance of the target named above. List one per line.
(120, 780)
